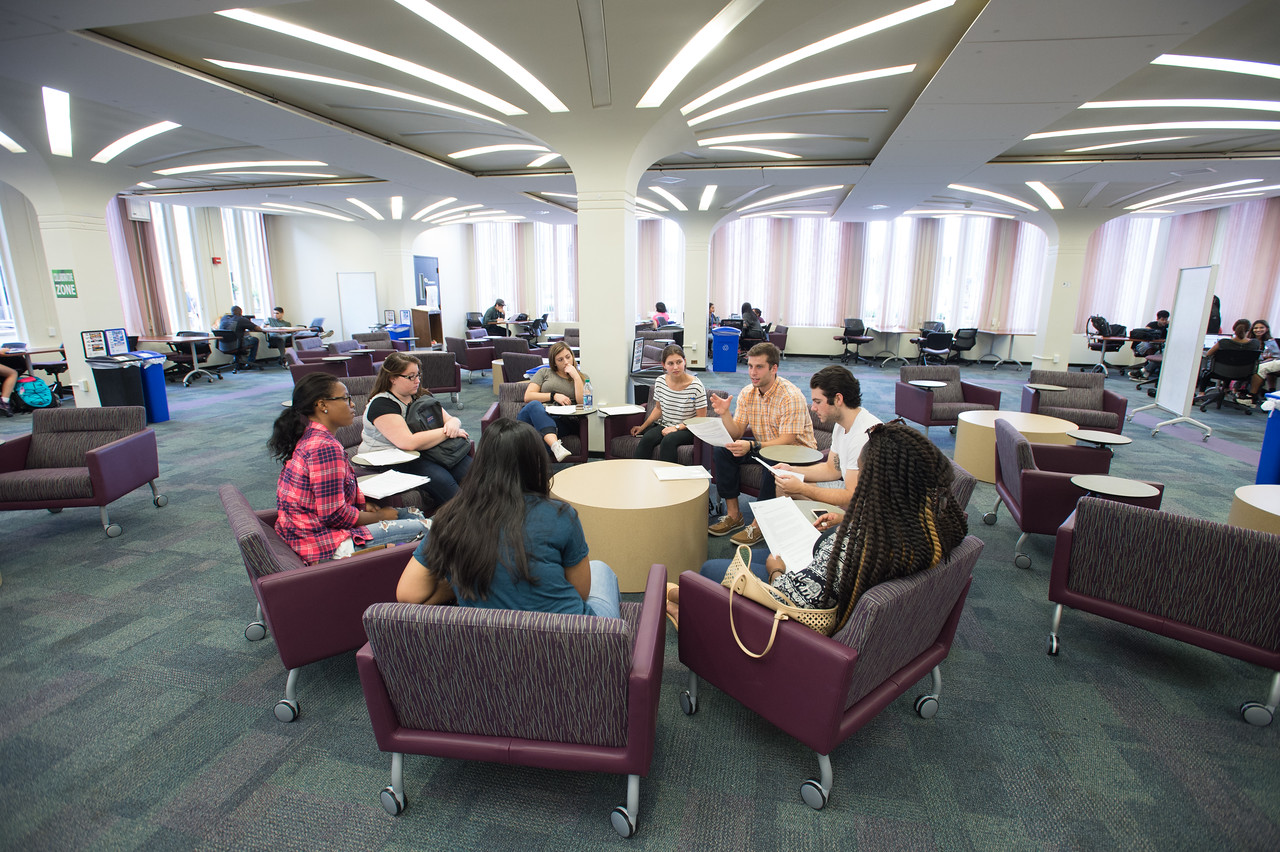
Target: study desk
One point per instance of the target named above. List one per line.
(192, 341)
(893, 333)
(996, 334)
(25, 354)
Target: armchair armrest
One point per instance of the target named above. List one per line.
(494, 412)
(980, 394)
(117, 468)
(1072, 460)
(1055, 498)
(1114, 402)
(399, 345)
(646, 668)
(619, 425)
(913, 403)
(13, 454)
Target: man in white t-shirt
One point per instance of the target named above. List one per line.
(837, 399)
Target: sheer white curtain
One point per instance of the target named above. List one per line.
(175, 242)
(248, 261)
(1117, 271)
(659, 267)
(498, 256)
(1248, 280)
(555, 251)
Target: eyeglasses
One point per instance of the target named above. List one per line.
(413, 377)
(336, 398)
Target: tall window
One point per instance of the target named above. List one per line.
(660, 267)
(499, 263)
(8, 320)
(555, 254)
(175, 245)
(247, 262)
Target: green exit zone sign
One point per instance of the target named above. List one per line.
(64, 284)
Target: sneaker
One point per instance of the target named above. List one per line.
(328, 333)
(560, 451)
(751, 536)
(725, 525)
(4, 409)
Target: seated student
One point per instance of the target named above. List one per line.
(560, 383)
(751, 327)
(277, 320)
(497, 311)
(1153, 343)
(1239, 340)
(8, 378)
(504, 543)
(678, 395)
(899, 467)
(1269, 366)
(235, 320)
(660, 317)
(322, 514)
(398, 384)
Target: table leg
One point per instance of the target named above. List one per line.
(196, 369)
(892, 353)
(1008, 358)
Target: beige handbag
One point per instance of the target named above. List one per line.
(740, 581)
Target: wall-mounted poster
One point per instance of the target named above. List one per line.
(405, 316)
(389, 316)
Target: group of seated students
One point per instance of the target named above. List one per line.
(1248, 336)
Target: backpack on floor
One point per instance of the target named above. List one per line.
(31, 393)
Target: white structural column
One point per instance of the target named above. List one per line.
(1064, 274)
(697, 228)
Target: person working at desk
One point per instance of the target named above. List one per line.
(560, 383)
(660, 315)
(497, 311)
(277, 320)
(236, 321)
(837, 400)
(774, 408)
(1158, 330)
(1239, 340)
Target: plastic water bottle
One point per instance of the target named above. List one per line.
(587, 396)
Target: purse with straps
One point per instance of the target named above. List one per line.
(740, 581)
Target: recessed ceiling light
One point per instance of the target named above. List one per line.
(1212, 63)
(351, 84)
(817, 47)
(1125, 144)
(799, 193)
(675, 202)
(145, 185)
(800, 89)
(1162, 199)
(425, 210)
(708, 194)
(366, 208)
(244, 164)
(397, 207)
(764, 152)
(652, 205)
(486, 49)
(1051, 199)
(57, 121)
(124, 143)
(9, 145)
(703, 42)
(310, 210)
(878, 207)
(1192, 103)
(385, 59)
(1160, 125)
(494, 149)
(1008, 199)
(543, 160)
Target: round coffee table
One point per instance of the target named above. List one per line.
(632, 520)
(791, 454)
(1256, 507)
(1041, 386)
(1101, 440)
(927, 384)
(1100, 485)
(976, 437)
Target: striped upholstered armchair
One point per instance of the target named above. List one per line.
(80, 457)
(535, 689)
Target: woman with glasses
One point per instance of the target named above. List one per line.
(322, 514)
(398, 384)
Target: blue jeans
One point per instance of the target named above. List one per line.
(715, 569)
(535, 414)
(405, 528)
(444, 480)
(603, 597)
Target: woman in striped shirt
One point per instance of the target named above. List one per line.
(678, 395)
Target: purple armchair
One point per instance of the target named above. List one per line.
(572, 692)
(503, 345)
(80, 457)
(1034, 481)
(337, 369)
(313, 611)
(1086, 402)
(619, 443)
(822, 690)
(440, 373)
(511, 400)
(1207, 584)
(939, 406)
(379, 340)
(473, 359)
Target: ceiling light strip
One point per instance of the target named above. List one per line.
(495, 149)
(1050, 198)
(1213, 63)
(697, 48)
(1125, 144)
(243, 164)
(708, 195)
(294, 207)
(444, 213)
(801, 89)
(57, 120)
(764, 152)
(1185, 103)
(675, 202)
(395, 63)
(11, 146)
(366, 208)
(504, 63)
(1007, 199)
(124, 143)
(783, 214)
(425, 210)
(1159, 125)
(281, 174)
(652, 205)
(1198, 191)
(800, 193)
(543, 160)
(397, 207)
(755, 137)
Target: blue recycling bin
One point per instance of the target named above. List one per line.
(155, 399)
(1269, 461)
(399, 331)
(724, 352)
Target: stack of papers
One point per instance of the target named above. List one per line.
(563, 410)
(667, 474)
(390, 482)
(620, 410)
(778, 473)
(384, 458)
(786, 530)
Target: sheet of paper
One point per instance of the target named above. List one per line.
(383, 458)
(682, 472)
(563, 409)
(781, 474)
(620, 410)
(710, 430)
(390, 482)
(786, 530)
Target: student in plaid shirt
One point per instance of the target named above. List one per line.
(322, 514)
(775, 410)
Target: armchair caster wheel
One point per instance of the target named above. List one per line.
(1258, 715)
(114, 531)
(54, 511)
(256, 632)
(926, 706)
(1051, 646)
(688, 703)
(286, 710)
(392, 802)
(1155, 432)
(160, 500)
(813, 794)
(1205, 439)
(1022, 560)
(622, 821)
(952, 430)
(989, 519)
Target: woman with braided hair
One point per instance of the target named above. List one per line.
(902, 519)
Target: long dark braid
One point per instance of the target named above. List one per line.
(902, 519)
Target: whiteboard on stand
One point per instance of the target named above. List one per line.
(1184, 345)
(357, 302)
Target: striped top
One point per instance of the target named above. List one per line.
(678, 406)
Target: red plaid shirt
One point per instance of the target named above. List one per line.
(317, 497)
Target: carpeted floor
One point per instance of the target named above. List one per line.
(134, 714)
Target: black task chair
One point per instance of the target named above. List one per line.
(1097, 332)
(231, 342)
(935, 348)
(926, 328)
(855, 334)
(965, 339)
(475, 319)
(1228, 366)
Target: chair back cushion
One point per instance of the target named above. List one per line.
(342, 347)
(1013, 456)
(439, 369)
(360, 388)
(501, 673)
(262, 550)
(61, 436)
(571, 337)
(1083, 390)
(503, 345)
(951, 375)
(962, 485)
(894, 622)
(516, 364)
(373, 340)
(302, 344)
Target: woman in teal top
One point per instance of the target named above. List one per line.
(504, 543)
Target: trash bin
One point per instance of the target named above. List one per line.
(118, 379)
(399, 331)
(1269, 461)
(724, 354)
(154, 395)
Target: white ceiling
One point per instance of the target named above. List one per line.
(986, 76)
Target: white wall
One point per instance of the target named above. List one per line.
(306, 257)
(451, 245)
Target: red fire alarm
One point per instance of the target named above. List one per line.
(217, 261)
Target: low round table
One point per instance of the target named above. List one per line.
(632, 520)
(1041, 386)
(976, 437)
(1100, 485)
(927, 384)
(336, 358)
(1101, 440)
(1256, 507)
(791, 454)
(496, 374)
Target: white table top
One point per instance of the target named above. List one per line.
(1113, 486)
(928, 384)
(1264, 497)
(336, 358)
(1093, 436)
(1041, 386)
(791, 454)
